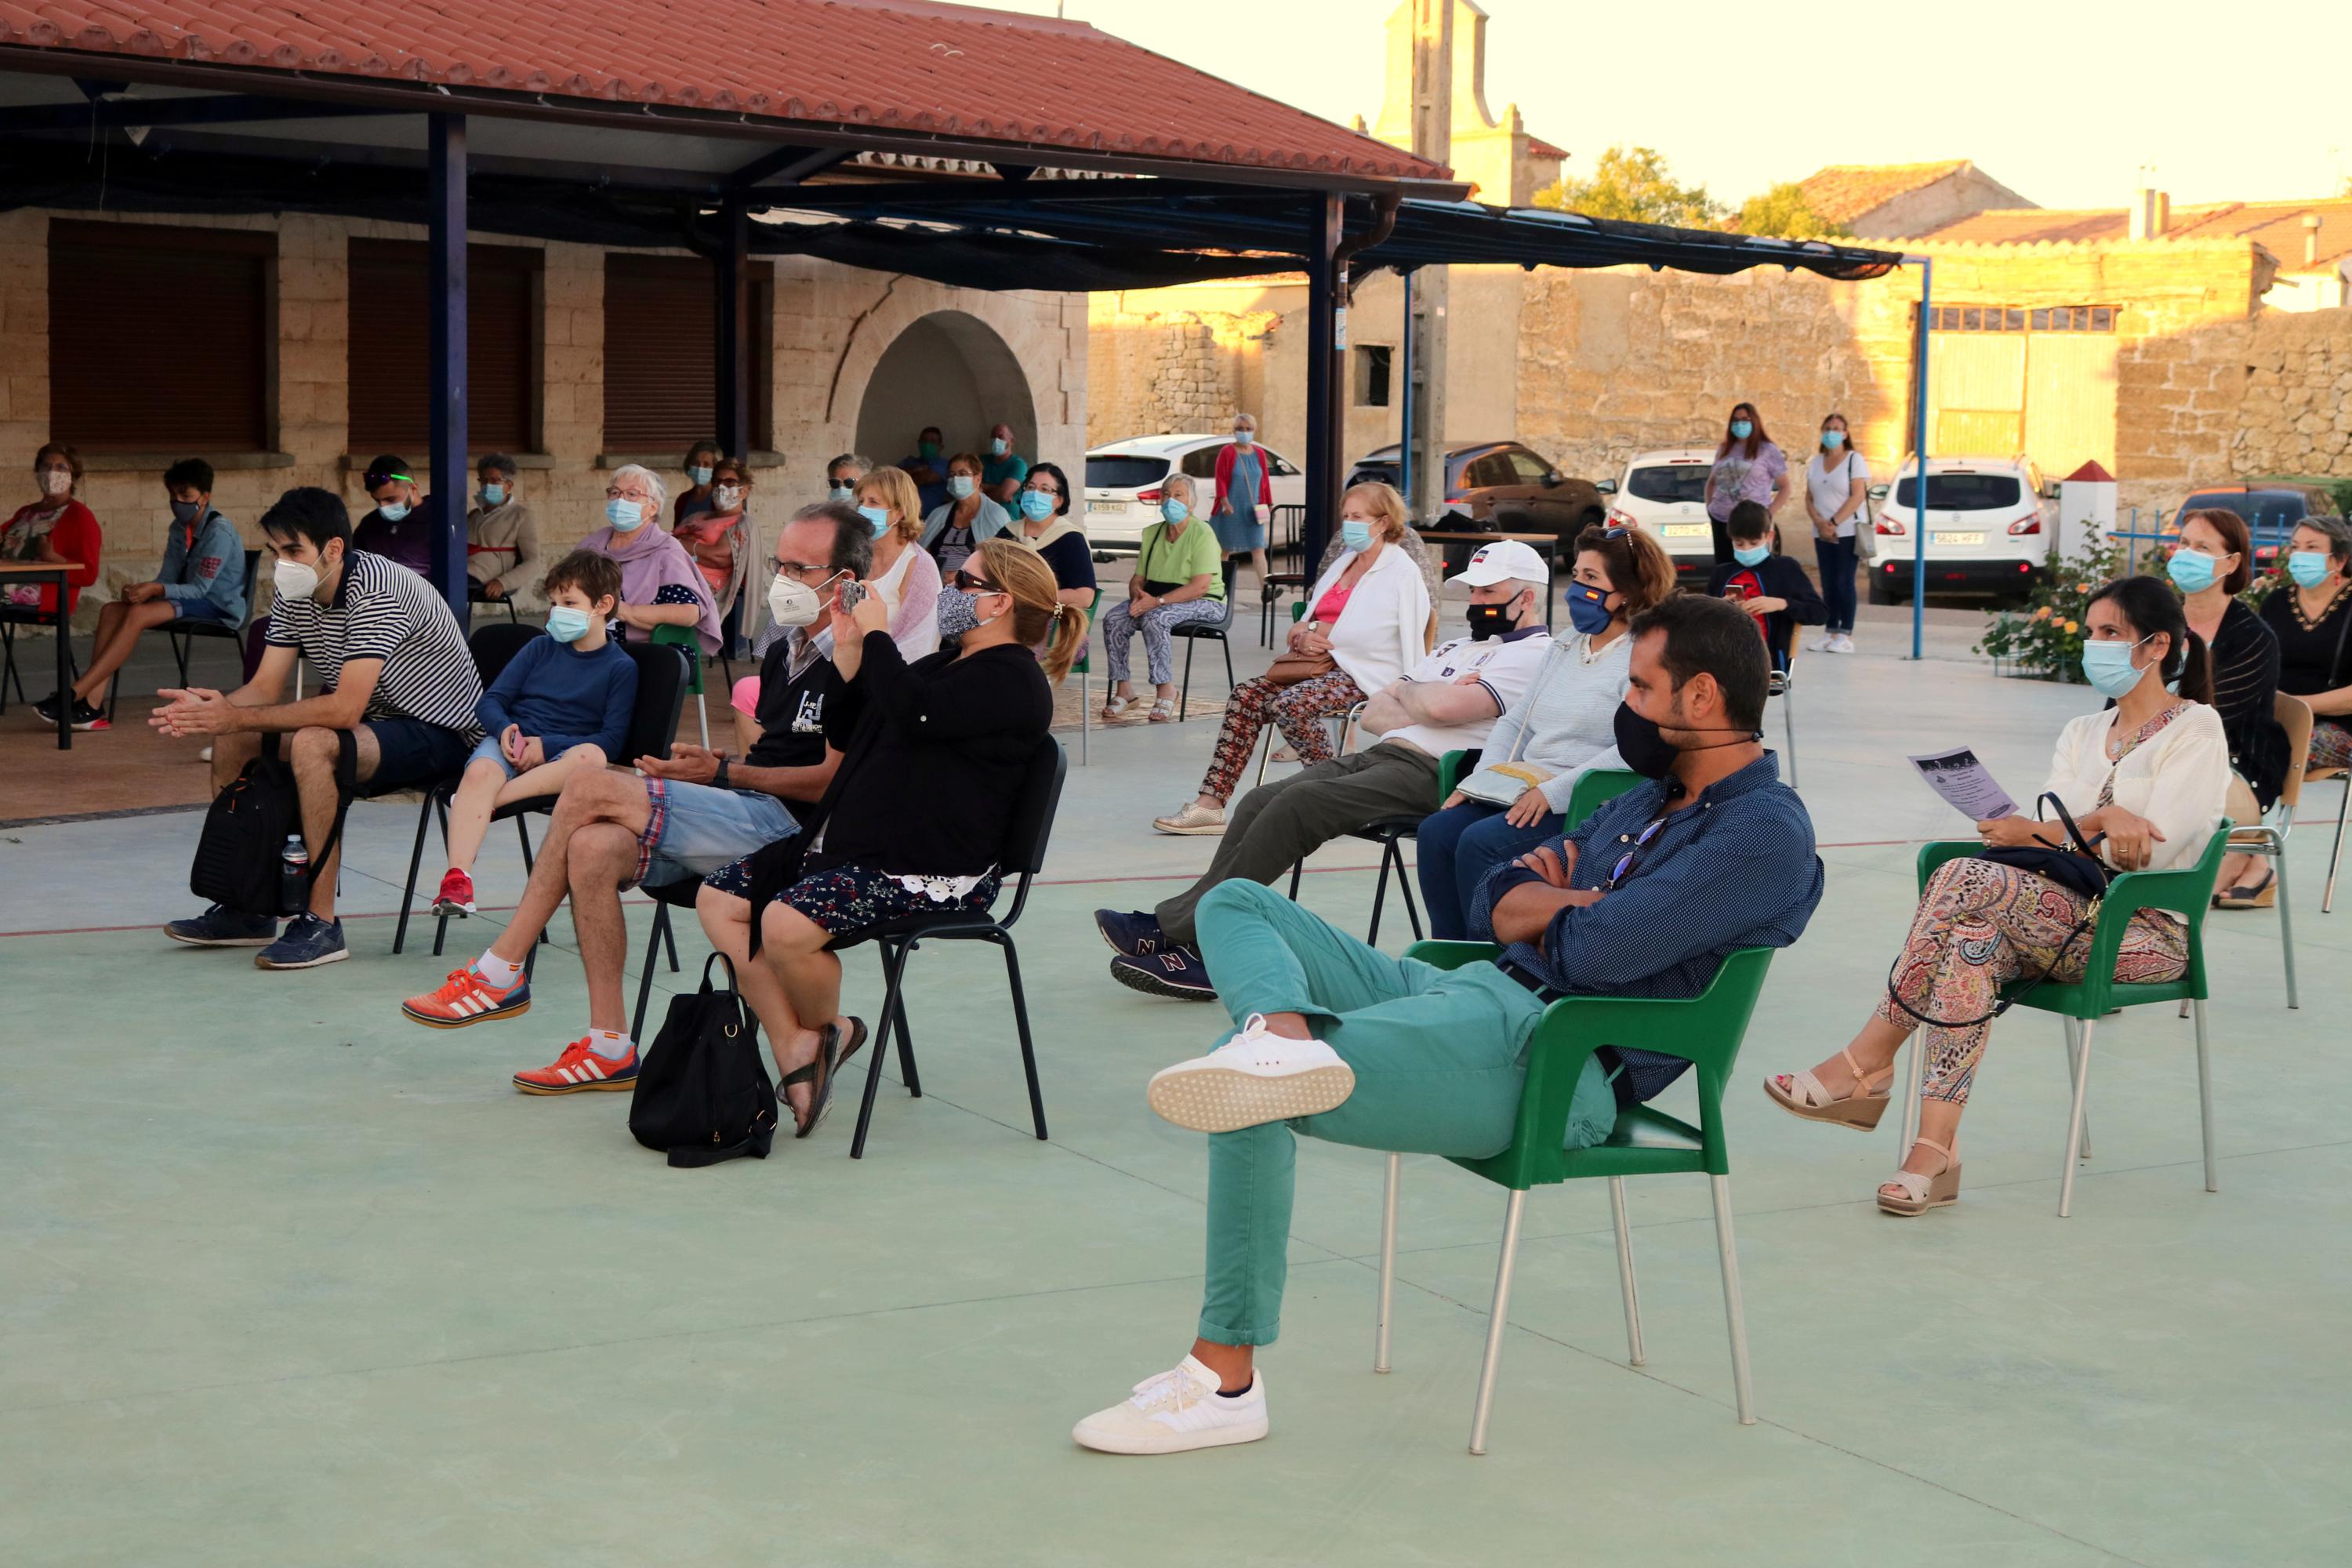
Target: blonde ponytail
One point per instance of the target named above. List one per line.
(1038, 608)
(1069, 641)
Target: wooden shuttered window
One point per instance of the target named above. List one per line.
(661, 378)
(390, 347)
(162, 338)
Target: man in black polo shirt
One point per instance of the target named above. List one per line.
(689, 815)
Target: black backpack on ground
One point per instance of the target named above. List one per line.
(702, 1093)
(238, 863)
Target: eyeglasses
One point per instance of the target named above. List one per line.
(1633, 857)
(968, 584)
(378, 479)
(795, 570)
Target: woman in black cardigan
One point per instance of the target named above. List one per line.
(959, 726)
(2211, 568)
(1782, 597)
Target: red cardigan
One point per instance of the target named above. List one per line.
(1225, 478)
(75, 535)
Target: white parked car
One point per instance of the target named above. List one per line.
(1663, 493)
(1990, 522)
(1123, 484)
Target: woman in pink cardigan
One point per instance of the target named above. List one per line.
(1243, 485)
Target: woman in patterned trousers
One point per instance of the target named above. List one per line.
(2145, 781)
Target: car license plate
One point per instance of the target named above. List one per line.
(1942, 538)
(1108, 508)
(1685, 530)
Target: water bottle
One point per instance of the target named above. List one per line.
(294, 877)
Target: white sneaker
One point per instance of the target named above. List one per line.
(1844, 644)
(1821, 643)
(1194, 818)
(1254, 1077)
(1178, 1411)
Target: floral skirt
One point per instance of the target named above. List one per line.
(850, 898)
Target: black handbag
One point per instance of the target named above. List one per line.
(2074, 867)
(238, 862)
(702, 1093)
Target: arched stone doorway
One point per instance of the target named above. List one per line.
(950, 369)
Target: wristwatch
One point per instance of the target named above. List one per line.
(720, 781)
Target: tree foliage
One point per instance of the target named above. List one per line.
(1634, 183)
(1783, 212)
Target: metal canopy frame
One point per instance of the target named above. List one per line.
(226, 138)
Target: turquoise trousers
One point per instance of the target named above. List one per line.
(1439, 1058)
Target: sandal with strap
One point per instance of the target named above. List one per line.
(1801, 1094)
(2262, 895)
(818, 1074)
(1113, 707)
(1920, 1194)
(1162, 712)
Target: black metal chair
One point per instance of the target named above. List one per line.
(1200, 630)
(184, 633)
(1025, 854)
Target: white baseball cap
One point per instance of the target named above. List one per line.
(1503, 561)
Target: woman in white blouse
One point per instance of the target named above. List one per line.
(1368, 625)
(2147, 780)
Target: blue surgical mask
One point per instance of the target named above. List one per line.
(1750, 554)
(1174, 511)
(2191, 570)
(699, 476)
(2307, 567)
(567, 625)
(877, 518)
(626, 516)
(843, 492)
(1833, 439)
(959, 612)
(2108, 665)
(996, 445)
(1588, 608)
(1741, 430)
(1244, 437)
(960, 485)
(494, 495)
(1036, 505)
(1356, 534)
(393, 511)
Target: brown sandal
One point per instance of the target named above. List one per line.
(1859, 1108)
(1920, 1193)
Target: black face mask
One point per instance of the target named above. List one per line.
(1488, 620)
(1648, 752)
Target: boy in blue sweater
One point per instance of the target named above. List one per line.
(560, 708)
(1772, 588)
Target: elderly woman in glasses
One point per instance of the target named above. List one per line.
(660, 584)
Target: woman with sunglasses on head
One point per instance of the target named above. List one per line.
(964, 725)
(1748, 467)
(2145, 781)
(2211, 566)
(1564, 725)
(969, 515)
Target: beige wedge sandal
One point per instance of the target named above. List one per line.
(1920, 1193)
(1801, 1094)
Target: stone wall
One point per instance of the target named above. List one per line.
(831, 325)
(1177, 360)
(2234, 400)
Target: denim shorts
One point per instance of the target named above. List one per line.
(693, 829)
(411, 752)
(488, 751)
(201, 610)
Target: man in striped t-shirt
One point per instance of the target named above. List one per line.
(394, 672)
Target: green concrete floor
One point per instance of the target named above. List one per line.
(301, 1283)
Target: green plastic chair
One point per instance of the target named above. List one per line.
(2187, 891)
(1704, 1031)
(682, 639)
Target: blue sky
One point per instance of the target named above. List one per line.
(2061, 101)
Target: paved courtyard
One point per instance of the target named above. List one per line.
(285, 1279)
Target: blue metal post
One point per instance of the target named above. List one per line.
(1404, 407)
(1919, 450)
(447, 330)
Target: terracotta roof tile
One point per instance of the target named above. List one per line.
(916, 65)
(2277, 226)
(1843, 192)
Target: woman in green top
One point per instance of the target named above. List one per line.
(1178, 581)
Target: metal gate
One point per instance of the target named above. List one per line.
(2050, 394)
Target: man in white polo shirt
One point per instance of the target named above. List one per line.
(1448, 702)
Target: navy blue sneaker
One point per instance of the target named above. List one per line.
(1175, 972)
(217, 927)
(309, 942)
(1130, 936)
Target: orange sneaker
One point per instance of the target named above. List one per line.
(580, 1068)
(466, 998)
